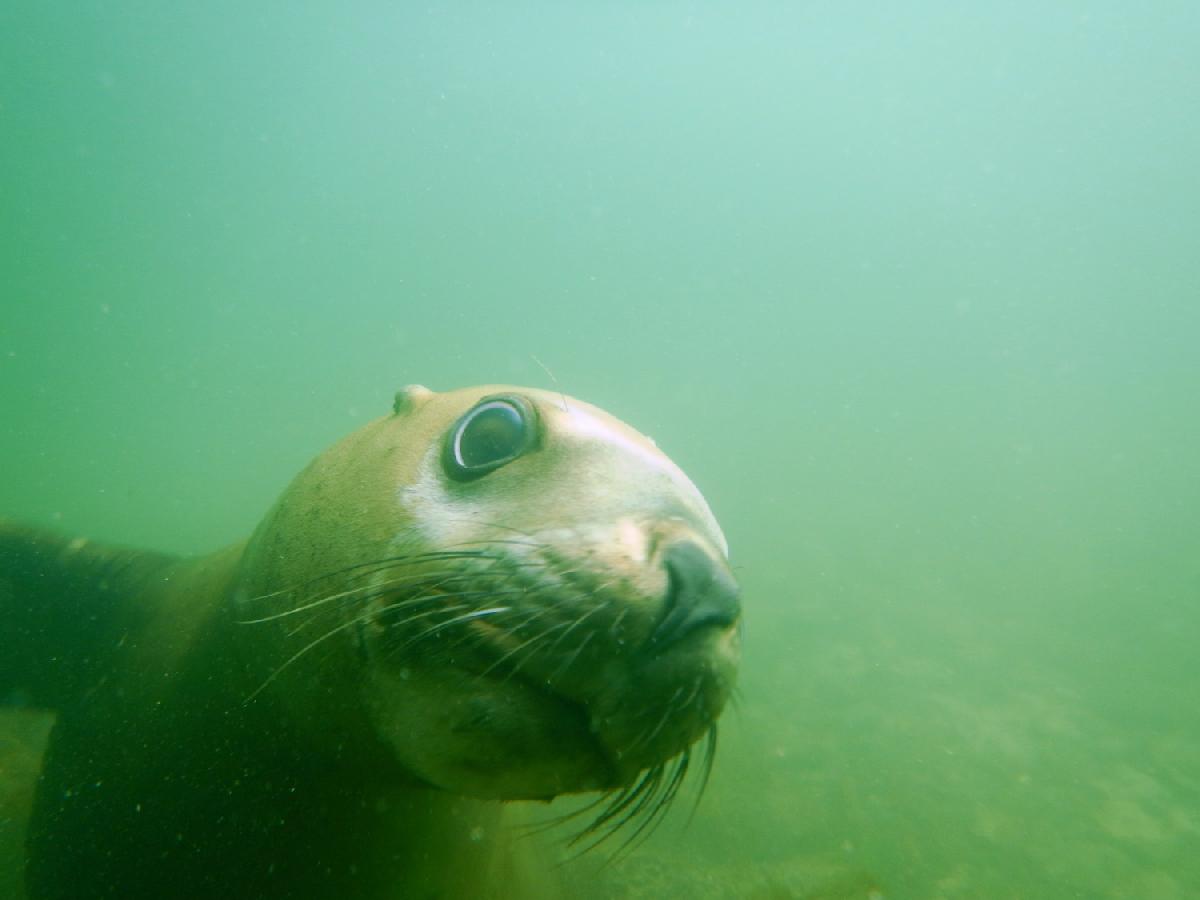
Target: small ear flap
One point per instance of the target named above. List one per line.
(409, 398)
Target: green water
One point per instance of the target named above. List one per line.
(912, 291)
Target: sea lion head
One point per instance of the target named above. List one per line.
(520, 594)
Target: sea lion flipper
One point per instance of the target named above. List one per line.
(56, 606)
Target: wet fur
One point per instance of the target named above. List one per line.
(269, 720)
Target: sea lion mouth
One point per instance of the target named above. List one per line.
(581, 656)
(637, 785)
(572, 718)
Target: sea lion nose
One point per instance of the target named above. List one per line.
(699, 594)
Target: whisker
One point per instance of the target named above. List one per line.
(356, 570)
(658, 810)
(578, 621)
(472, 636)
(421, 599)
(561, 819)
(562, 669)
(626, 808)
(442, 626)
(710, 754)
(615, 627)
(418, 579)
(670, 708)
(616, 803)
(357, 620)
(521, 646)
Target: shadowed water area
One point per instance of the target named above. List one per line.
(909, 291)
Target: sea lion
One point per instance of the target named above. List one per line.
(491, 594)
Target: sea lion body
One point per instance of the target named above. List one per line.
(492, 594)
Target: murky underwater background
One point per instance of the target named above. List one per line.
(912, 291)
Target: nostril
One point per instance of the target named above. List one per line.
(699, 594)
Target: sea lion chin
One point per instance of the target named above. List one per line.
(496, 593)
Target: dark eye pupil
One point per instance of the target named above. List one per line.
(496, 431)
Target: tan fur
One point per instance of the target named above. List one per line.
(267, 663)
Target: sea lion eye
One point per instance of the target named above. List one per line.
(495, 432)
